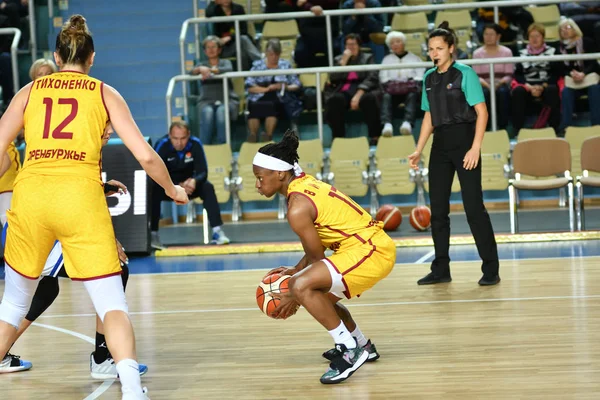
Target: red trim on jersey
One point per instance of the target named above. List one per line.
(6, 191)
(27, 102)
(362, 260)
(344, 234)
(103, 102)
(311, 200)
(23, 275)
(97, 277)
(70, 70)
(333, 193)
(347, 291)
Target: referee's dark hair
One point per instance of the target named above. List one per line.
(444, 31)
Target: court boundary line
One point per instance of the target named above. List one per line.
(380, 304)
(397, 264)
(107, 383)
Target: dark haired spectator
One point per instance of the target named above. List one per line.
(365, 24)
(311, 48)
(353, 90)
(503, 73)
(226, 32)
(535, 83)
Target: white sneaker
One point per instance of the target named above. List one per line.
(219, 238)
(388, 130)
(108, 369)
(12, 363)
(406, 128)
(155, 241)
(131, 396)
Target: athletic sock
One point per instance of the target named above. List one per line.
(101, 353)
(360, 337)
(129, 373)
(216, 229)
(341, 335)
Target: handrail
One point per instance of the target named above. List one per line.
(368, 67)
(14, 60)
(32, 34)
(331, 13)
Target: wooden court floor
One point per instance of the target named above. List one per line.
(534, 336)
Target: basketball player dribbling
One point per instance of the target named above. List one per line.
(58, 194)
(323, 217)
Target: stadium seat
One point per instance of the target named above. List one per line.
(590, 163)
(311, 157)
(576, 136)
(549, 16)
(460, 21)
(391, 158)
(544, 133)
(414, 26)
(349, 163)
(540, 158)
(495, 150)
(286, 31)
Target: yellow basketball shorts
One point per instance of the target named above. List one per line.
(71, 210)
(362, 266)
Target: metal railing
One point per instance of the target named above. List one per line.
(14, 48)
(32, 33)
(333, 13)
(369, 67)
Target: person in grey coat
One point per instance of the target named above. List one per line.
(210, 107)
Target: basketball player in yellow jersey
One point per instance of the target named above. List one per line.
(323, 217)
(7, 180)
(58, 194)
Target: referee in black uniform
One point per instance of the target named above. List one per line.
(455, 112)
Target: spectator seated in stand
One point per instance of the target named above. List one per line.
(185, 160)
(400, 85)
(210, 107)
(362, 25)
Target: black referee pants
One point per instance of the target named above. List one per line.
(205, 191)
(447, 153)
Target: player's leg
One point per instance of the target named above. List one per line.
(310, 288)
(90, 255)
(102, 364)
(355, 331)
(45, 294)
(5, 199)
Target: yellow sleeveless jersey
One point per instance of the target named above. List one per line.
(8, 179)
(340, 222)
(65, 118)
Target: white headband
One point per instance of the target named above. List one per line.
(275, 164)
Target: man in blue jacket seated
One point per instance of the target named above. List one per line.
(184, 157)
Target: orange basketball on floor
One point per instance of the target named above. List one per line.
(272, 284)
(420, 218)
(390, 215)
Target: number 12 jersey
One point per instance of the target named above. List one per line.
(65, 118)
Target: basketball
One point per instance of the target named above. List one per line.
(275, 284)
(420, 218)
(390, 215)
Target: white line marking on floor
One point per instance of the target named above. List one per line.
(107, 383)
(425, 257)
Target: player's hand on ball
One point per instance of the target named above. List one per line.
(282, 271)
(287, 306)
(180, 196)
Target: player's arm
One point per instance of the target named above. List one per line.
(301, 217)
(128, 131)
(12, 123)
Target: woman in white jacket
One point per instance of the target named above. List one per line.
(400, 85)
